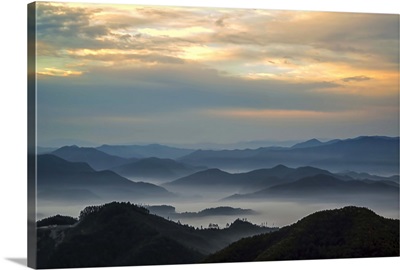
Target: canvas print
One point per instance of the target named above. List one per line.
(181, 135)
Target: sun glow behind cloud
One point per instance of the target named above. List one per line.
(228, 40)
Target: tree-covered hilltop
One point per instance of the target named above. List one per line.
(122, 234)
(350, 232)
(56, 220)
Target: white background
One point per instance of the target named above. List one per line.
(13, 104)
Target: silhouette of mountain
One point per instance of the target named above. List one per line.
(144, 151)
(95, 158)
(168, 211)
(312, 143)
(309, 143)
(155, 168)
(374, 154)
(45, 150)
(60, 176)
(209, 177)
(329, 184)
(316, 186)
(56, 220)
(238, 145)
(386, 182)
(366, 176)
(218, 211)
(350, 232)
(67, 195)
(122, 234)
(249, 181)
(49, 165)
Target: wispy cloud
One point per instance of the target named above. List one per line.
(59, 72)
(356, 79)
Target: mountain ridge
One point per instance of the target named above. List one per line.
(328, 234)
(98, 160)
(320, 185)
(122, 234)
(371, 154)
(144, 151)
(155, 168)
(55, 173)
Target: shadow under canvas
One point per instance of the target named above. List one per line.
(20, 261)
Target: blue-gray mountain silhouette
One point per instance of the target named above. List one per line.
(249, 181)
(98, 160)
(375, 154)
(323, 186)
(156, 168)
(144, 151)
(55, 173)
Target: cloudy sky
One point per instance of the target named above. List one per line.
(140, 74)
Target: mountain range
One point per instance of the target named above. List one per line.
(312, 143)
(371, 154)
(98, 160)
(144, 151)
(154, 168)
(59, 179)
(322, 186)
(259, 179)
(159, 169)
(358, 171)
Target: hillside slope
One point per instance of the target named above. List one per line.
(350, 232)
(155, 168)
(76, 180)
(98, 160)
(118, 234)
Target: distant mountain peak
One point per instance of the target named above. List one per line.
(280, 166)
(74, 146)
(310, 143)
(215, 170)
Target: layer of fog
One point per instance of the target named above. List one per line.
(274, 212)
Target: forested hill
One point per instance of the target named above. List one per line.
(350, 232)
(122, 234)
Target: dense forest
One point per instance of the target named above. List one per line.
(118, 234)
(350, 232)
(122, 234)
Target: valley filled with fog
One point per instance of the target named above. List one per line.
(71, 178)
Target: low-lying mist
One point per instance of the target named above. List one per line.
(275, 212)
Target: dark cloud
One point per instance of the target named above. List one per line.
(65, 27)
(356, 79)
